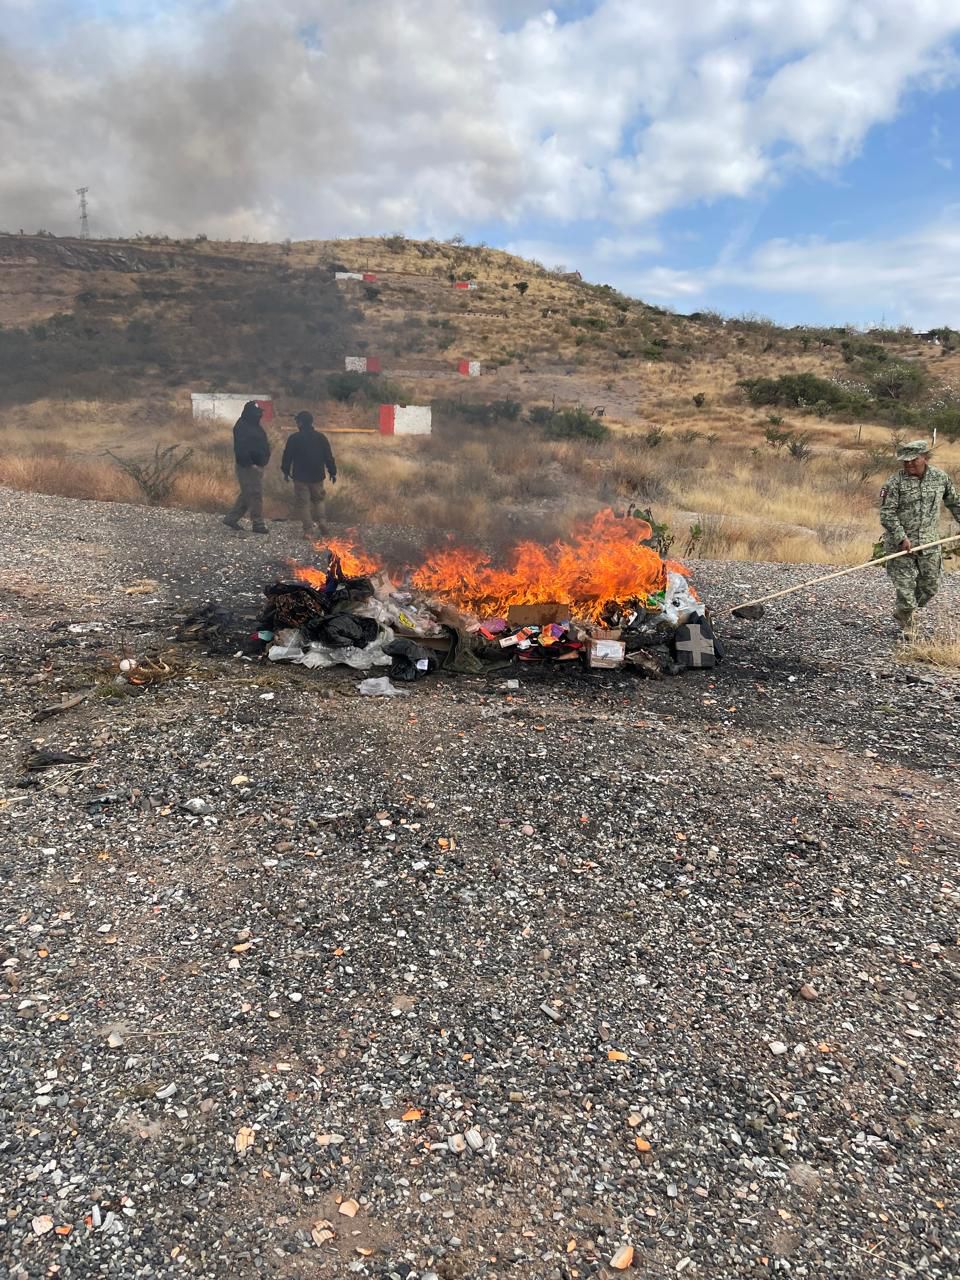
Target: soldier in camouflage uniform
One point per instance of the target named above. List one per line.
(910, 514)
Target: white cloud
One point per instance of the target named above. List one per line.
(910, 279)
(439, 115)
(625, 247)
(915, 277)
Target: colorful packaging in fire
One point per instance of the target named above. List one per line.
(623, 595)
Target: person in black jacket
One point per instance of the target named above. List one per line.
(307, 458)
(251, 450)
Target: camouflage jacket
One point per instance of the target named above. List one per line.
(910, 507)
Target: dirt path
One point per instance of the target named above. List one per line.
(524, 975)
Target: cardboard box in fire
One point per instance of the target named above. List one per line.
(535, 631)
(548, 631)
(605, 650)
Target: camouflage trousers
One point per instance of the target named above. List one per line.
(916, 580)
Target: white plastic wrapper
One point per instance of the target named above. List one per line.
(381, 687)
(680, 604)
(424, 623)
(382, 611)
(321, 655)
(291, 647)
(287, 647)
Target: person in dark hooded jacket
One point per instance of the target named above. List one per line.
(307, 459)
(251, 450)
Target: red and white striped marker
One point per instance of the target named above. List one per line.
(405, 420)
(362, 364)
(469, 368)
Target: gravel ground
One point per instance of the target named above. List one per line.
(472, 983)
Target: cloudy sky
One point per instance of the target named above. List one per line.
(797, 158)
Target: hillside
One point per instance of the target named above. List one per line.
(123, 319)
(102, 343)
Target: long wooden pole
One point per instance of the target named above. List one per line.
(840, 573)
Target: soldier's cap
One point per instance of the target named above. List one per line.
(912, 449)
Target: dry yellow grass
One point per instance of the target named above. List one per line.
(938, 648)
(724, 496)
(70, 477)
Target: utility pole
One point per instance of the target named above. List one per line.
(84, 224)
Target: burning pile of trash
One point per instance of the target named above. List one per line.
(605, 600)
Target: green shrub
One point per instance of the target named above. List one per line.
(875, 462)
(857, 349)
(799, 447)
(571, 424)
(372, 387)
(904, 383)
(797, 443)
(661, 539)
(799, 390)
(945, 420)
(775, 435)
(480, 413)
(341, 386)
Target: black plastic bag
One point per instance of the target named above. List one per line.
(342, 630)
(411, 661)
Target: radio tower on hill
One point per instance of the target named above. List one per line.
(84, 223)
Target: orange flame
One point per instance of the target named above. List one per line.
(354, 561)
(603, 561)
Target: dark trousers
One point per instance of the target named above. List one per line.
(308, 503)
(250, 498)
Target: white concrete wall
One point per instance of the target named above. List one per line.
(221, 406)
(406, 419)
(412, 420)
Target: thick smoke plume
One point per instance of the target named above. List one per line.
(309, 118)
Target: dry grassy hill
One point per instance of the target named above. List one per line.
(102, 342)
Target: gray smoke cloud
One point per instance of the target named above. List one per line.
(326, 117)
(286, 119)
